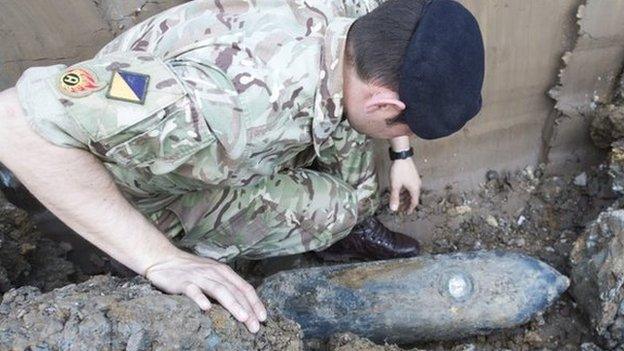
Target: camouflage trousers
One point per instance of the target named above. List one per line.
(291, 212)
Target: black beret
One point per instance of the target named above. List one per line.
(442, 71)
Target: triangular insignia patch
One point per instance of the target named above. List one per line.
(128, 86)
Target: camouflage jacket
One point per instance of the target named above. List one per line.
(265, 75)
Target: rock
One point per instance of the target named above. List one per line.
(352, 342)
(521, 220)
(108, 313)
(76, 258)
(616, 166)
(607, 124)
(460, 210)
(533, 338)
(597, 273)
(418, 299)
(529, 172)
(491, 175)
(581, 180)
(491, 221)
(455, 199)
(590, 346)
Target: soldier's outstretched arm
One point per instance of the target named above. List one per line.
(74, 185)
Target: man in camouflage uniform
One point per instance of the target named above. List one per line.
(219, 153)
(222, 122)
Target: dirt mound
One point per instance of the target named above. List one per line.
(109, 313)
(352, 342)
(526, 212)
(597, 259)
(521, 211)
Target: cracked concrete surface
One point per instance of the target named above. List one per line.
(587, 78)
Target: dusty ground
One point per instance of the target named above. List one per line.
(523, 211)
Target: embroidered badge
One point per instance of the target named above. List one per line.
(128, 86)
(79, 82)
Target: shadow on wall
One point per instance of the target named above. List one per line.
(518, 126)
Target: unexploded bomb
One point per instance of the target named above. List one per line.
(423, 298)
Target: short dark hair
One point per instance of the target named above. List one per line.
(377, 41)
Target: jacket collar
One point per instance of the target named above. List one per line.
(328, 103)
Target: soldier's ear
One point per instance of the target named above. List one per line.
(384, 100)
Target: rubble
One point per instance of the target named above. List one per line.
(607, 124)
(597, 258)
(352, 342)
(597, 273)
(590, 346)
(581, 179)
(537, 215)
(607, 130)
(109, 313)
(616, 166)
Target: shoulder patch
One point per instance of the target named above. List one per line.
(128, 86)
(79, 82)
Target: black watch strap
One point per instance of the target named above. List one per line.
(401, 155)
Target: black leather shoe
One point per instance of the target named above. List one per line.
(371, 240)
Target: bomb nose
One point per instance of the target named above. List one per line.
(550, 281)
(562, 283)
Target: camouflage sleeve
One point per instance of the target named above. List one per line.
(358, 8)
(44, 108)
(350, 157)
(49, 112)
(175, 27)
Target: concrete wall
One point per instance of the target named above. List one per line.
(524, 40)
(589, 74)
(45, 32)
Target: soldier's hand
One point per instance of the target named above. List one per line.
(199, 277)
(403, 174)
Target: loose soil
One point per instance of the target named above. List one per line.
(523, 211)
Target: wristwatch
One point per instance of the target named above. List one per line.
(401, 155)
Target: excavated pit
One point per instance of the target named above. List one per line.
(573, 221)
(527, 211)
(522, 211)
